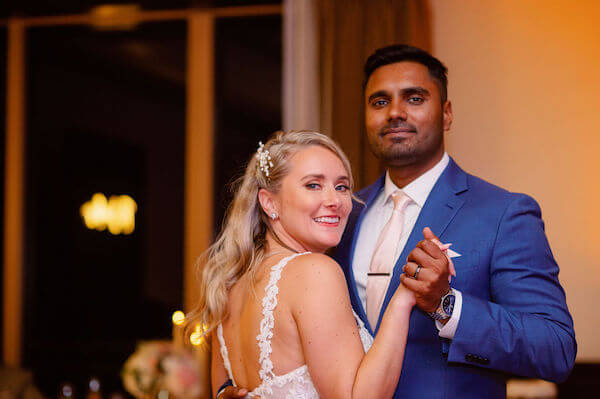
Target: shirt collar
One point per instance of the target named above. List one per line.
(418, 190)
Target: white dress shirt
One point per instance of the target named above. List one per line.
(376, 218)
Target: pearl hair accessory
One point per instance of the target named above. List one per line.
(264, 159)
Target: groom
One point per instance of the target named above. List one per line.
(504, 312)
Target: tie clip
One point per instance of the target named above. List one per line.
(378, 274)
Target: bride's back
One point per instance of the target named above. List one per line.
(241, 328)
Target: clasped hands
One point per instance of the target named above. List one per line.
(433, 278)
(431, 284)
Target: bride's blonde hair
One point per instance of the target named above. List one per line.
(240, 247)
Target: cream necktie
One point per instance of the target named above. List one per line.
(382, 262)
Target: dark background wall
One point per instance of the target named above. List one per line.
(247, 96)
(105, 112)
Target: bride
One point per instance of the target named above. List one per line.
(277, 307)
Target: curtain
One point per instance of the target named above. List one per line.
(349, 31)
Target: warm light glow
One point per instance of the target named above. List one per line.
(115, 16)
(178, 318)
(196, 337)
(117, 213)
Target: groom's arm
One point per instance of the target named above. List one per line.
(524, 327)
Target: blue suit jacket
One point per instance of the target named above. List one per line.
(514, 316)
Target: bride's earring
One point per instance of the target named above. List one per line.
(273, 215)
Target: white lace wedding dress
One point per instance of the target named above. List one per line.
(297, 383)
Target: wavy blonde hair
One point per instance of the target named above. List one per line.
(240, 247)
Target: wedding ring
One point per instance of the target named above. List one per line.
(417, 272)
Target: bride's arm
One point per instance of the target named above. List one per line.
(331, 344)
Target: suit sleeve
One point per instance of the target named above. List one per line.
(524, 327)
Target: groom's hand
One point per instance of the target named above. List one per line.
(432, 280)
(233, 393)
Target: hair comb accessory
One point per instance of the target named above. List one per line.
(264, 159)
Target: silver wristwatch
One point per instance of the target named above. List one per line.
(445, 308)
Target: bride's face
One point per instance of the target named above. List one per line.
(314, 201)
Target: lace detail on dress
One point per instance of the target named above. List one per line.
(365, 337)
(297, 384)
(269, 303)
(224, 353)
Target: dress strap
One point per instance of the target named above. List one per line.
(363, 333)
(225, 353)
(269, 303)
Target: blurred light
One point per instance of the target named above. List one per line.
(178, 318)
(94, 385)
(66, 390)
(118, 213)
(196, 337)
(163, 394)
(115, 17)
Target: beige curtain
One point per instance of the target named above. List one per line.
(350, 30)
(300, 66)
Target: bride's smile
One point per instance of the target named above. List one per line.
(313, 202)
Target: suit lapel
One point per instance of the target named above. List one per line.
(368, 195)
(439, 209)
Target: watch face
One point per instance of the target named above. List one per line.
(448, 304)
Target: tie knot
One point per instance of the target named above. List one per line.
(401, 200)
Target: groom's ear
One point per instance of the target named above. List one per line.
(267, 201)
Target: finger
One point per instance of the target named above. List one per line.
(451, 268)
(418, 255)
(428, 234)
(444, 248)
(234, 392)
(410, 268)
(423, 275)
(432, 249)
(427, 261)
(242, 392)
(426, 275)
(412, 284)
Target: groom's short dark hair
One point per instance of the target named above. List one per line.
(404, 52)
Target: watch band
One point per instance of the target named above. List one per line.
(445, 308)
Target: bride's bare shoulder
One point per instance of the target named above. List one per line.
(314, 270)
(315, 285)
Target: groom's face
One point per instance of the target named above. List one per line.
(404, 114)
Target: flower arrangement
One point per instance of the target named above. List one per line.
(156, 366)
